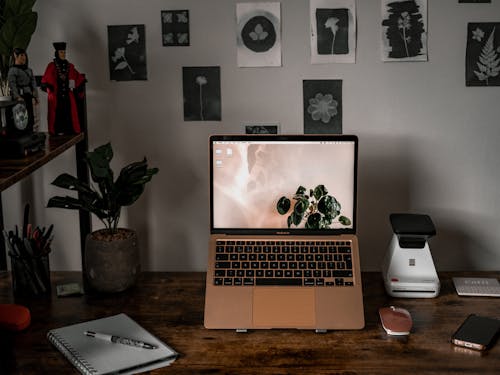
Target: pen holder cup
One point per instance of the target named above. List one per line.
(30, 275)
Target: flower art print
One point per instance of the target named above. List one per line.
(333, 31)
(127, 53)
(483, 54)
(404, 30)
(175, 28)
(322, 106)
(202, 94)
(258, 34)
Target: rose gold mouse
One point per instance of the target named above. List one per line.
(395, 320)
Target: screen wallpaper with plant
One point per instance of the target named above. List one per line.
(250, 178)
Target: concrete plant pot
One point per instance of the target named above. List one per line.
(112, 264)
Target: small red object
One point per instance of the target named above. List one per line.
(14, 317)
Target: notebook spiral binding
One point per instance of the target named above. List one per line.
(80, 363)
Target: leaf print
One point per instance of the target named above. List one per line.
(133, 36)
(121, 65)
(489, 62)
(167, 17)
(168, 38)
(182, 38)
(119, 54)
(259, 33)
(478, 34)
(182, 17)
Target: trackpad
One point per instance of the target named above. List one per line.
(283, 307)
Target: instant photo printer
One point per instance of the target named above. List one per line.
(408, 268)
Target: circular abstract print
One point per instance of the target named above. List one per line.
(258, 34)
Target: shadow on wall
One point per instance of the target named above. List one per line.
(177, 199)
(387, 173)
(384, 187)
(456, 247)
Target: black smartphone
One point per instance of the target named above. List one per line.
(477, 332)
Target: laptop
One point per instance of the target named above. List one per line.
(283, 251)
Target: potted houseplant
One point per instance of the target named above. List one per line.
(17, 25)
(111, 254)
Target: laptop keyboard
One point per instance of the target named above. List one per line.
(288, 263)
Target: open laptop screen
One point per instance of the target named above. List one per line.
(283, 183)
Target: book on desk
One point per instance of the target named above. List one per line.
(94, 355)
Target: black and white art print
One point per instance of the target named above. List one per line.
(127, 53)
(483, 54)
(261, 128)
(175, 28)
(258, 31)
(202, 94)
(333, 31)
(404, 30)
(322, 106)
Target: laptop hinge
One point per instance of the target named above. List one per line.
(321, 330)
(241, 330)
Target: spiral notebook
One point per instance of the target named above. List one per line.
(96, 356)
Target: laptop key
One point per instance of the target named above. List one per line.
(346, 273)
(281, 281)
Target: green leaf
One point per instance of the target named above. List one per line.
(71, 203)
(344, 220)
(66, 181)
(296, 218)
(300, 190)
(130, 183)
(319, 191)
(289, 220)
(283, 205)
(98, 162)
(313, 221)
(329, 205)
(301, 206)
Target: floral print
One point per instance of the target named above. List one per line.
(322, 107)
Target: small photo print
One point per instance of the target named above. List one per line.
(261, 128)
(202, 94)
(482, 57)
(127, 53)
(322, 106)
(175, 27)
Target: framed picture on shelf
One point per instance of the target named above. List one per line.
(261, 128)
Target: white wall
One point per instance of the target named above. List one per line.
(427, 143)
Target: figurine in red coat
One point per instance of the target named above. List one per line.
(62, 82)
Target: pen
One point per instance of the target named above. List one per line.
(120, 340)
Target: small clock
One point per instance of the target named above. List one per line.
(20, 117)
(14, 119)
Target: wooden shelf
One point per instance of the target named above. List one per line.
(14, 170)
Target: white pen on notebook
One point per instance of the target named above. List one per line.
(120, 340)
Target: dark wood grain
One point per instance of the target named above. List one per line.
(14, 170)
(170, 305)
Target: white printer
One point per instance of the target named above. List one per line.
(408, 268)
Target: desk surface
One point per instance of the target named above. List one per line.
(170, 305)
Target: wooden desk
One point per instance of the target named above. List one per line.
(14, 170)
(170, 305)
